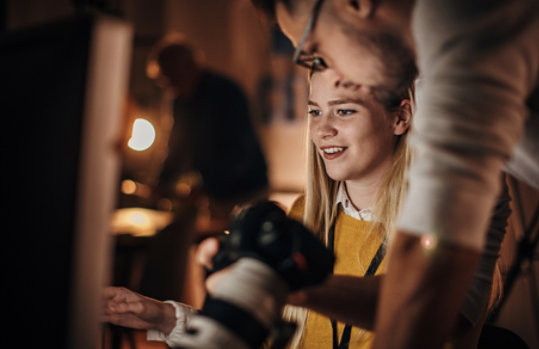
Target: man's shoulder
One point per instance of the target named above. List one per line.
(219, 79)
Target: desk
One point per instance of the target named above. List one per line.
(134, 229)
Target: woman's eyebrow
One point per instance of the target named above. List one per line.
(347, 100)
(309, 102)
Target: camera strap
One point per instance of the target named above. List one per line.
(373, 266)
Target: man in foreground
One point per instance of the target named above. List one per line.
(477, 113)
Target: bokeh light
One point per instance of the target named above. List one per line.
(128, 187)
(143, 135)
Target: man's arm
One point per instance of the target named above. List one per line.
(348, 299)
(422, 292)
(470, 114)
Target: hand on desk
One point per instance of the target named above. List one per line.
(126, 308)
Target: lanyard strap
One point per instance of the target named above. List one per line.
(373, 266)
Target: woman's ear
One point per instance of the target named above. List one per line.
(403, 118)
(360, 9)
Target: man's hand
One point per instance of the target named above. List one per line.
(126, 308)
(422, 292)
(207, 249)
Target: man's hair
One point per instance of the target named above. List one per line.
(172, 49)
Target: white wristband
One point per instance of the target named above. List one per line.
(183, 314)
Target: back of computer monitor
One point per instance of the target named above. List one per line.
(65, 85)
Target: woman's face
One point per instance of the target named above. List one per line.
(354, 134)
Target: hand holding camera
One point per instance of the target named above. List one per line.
(268, 256)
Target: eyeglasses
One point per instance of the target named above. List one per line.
(311, 62)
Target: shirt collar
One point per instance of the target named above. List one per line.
(347, 207)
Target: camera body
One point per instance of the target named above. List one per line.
(268, 255)
(264, 232)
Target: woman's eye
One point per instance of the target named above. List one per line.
(315, 112)
(344, 112)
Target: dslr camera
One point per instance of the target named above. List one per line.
(268, 255)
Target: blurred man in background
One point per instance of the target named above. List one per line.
(212, 143)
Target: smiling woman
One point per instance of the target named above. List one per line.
(357, 155)
(353, 133)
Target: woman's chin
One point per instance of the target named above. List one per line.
(337, 175)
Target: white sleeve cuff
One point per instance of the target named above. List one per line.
(447, 212)
(183, 314)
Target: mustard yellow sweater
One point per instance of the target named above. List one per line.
(355, 247)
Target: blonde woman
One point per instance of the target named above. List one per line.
(357, 156)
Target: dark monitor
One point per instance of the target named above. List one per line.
(64, 86)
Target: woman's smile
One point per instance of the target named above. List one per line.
(332, 152)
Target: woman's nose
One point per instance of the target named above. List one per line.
(326, 128)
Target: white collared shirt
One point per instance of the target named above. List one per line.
(348, 208)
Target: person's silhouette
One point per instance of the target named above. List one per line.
(212, 135)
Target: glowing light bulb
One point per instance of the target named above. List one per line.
(143, 135)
